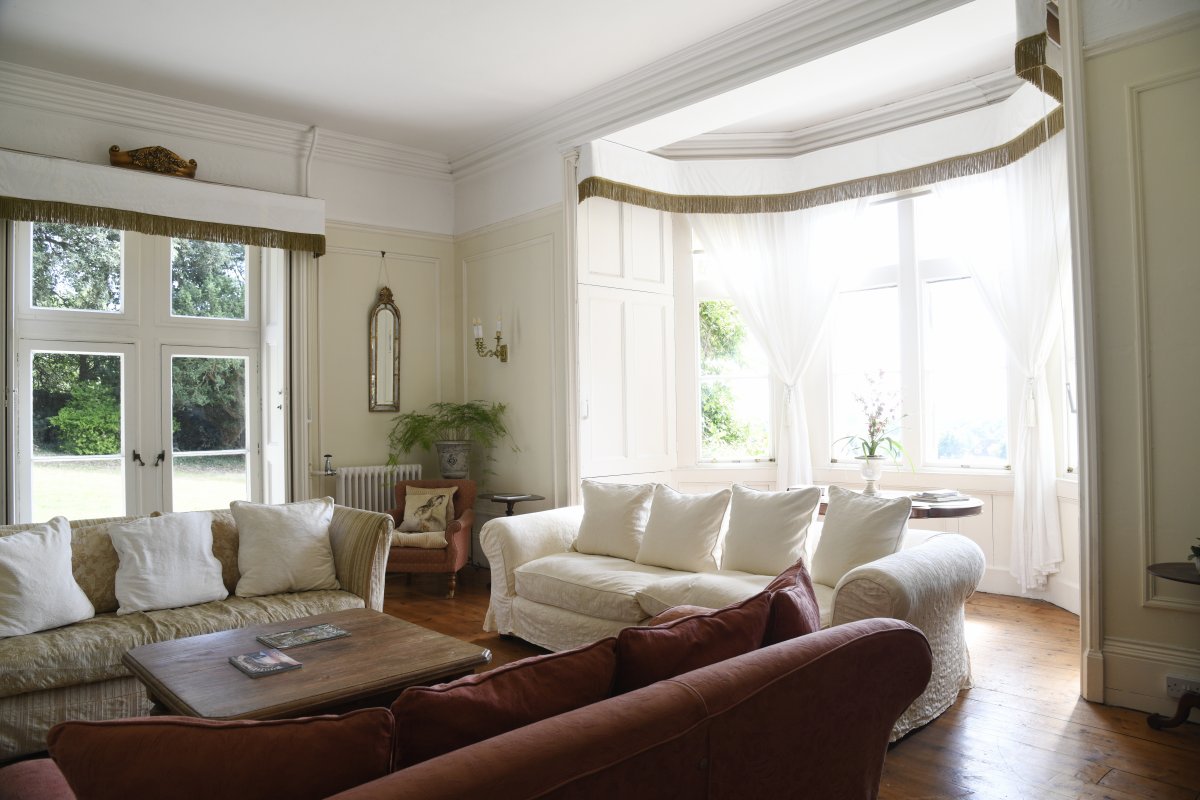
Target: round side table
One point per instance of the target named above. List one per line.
(509, 499)
(1183, 572)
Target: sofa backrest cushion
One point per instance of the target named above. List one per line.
(858, 529)
(434, 720)
(166, 562)
(767, 530)
(284, 548)
(794, 608)
(648, 655)
(183, 758)
(37, 589)
(614, 518)
(683, 529)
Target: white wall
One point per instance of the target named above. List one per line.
(1142, 101)
(529, 182)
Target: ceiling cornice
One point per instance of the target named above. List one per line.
(771, 43)
(904, 113)
(100, 102)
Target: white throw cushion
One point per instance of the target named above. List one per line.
(428, 540)
(166, 562)
(683, 529)
(858, 529)
(284, 548)
(614, 518)
(767, 530)
(705, 589)
(37, 589)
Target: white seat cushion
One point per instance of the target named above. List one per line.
(704, 589)
(824, 602)
(598, 586)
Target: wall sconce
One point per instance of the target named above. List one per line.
(501, 351)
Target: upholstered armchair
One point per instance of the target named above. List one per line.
(454, 556)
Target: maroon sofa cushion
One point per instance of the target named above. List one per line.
(794, 609)
(648, 655)
(185, 758)
(432, 720)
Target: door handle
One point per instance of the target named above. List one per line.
(162, 456)
(138, 458)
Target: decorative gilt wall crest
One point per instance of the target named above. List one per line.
(152, 159)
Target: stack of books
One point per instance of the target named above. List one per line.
(939, 496)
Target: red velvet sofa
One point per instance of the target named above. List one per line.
(809, 716)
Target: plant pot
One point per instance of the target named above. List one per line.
(454, 458)
(871, 469)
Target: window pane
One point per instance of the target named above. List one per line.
(209, 466)
(735, 402)
(734, 414)
(966, 378)
(880, 226)
(865, 336)
(933, 235)
(208, 403)
(76, 267)
(208, 279)
(77, 468)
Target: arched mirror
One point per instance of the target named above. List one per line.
(384, 347)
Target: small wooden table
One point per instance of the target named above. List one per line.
(381, 656)
(1183, 572)
(970, 507)
(509, 499)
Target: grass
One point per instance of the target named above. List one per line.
(87, 489)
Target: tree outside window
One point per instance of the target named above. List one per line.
(734, 387)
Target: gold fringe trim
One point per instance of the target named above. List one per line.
(944, 170)
(1029, 62)
(94, 216)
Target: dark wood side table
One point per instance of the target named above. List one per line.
(970, 507)
(1183, 572)
(509, 499)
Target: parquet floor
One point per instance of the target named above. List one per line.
(1021, 733)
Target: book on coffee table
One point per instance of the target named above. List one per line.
(264, 662)
(302, 636)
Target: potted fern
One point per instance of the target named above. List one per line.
(451, 429)
(1195, 556)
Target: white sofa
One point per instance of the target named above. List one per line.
(545, 592)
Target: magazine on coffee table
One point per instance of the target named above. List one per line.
(302, 636)
(264, 662)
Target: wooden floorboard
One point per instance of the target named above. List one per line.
(1021, 732)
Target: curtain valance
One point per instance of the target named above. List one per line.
(987, 138)
(41, 188)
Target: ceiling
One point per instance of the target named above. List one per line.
(454, 75)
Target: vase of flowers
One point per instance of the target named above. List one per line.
(879, 445)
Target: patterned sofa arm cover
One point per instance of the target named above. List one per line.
(509, 542)
(926, 584)
(360, 541)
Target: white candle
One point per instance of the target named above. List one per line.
(499, 326)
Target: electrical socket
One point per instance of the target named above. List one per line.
(1176, 686)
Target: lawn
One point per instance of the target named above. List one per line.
(88, 489)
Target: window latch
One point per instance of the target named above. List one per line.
(138, 458)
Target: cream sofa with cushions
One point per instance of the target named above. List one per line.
(75, 672)
(545, 591)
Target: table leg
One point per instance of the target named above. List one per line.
(1189, 701)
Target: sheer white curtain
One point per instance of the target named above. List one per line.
(782, 271)
(1011, 231)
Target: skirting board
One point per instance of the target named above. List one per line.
(1065, 595)
(1135, 674)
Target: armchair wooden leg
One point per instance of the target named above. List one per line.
(453, 584)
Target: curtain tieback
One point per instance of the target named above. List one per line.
(1031, 403)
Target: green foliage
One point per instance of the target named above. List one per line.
(90, 423)
(56, 378)
(474, 421)
(208, 403)
(76, 267)
(717, 419)
(208, 279)
(721, 335)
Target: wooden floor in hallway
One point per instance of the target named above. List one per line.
(1021, 733)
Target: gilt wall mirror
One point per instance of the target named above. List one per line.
(383, 335)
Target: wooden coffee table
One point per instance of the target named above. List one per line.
(381, 656)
